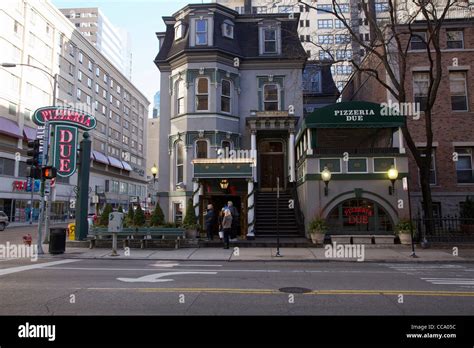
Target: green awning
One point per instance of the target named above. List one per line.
(222, 170)
(354, 114)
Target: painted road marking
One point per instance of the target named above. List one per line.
(165, 264)
(277, 292)
(157, 277)
(11, 270)
(450, 281)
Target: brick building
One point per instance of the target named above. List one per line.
(452, 174)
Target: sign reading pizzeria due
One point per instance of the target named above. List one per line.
(66, 122)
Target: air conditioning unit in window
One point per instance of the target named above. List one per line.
(309, 109)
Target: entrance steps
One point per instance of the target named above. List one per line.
(266, 216)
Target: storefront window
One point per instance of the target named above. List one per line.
(359, 216)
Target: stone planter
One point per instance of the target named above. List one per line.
(405, 238)
(317, 238)
(191, 233)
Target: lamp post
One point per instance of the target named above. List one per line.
(392, 175)
(326, 176)
(43, 215)
(154, 171)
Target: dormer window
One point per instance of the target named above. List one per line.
(178, 31)
(201, 32)
(228, 29)
(269, 38)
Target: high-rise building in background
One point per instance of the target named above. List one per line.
(114, 43)
(156, 105)
(36, 33)
(323, 36)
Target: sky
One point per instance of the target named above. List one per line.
(142, 19)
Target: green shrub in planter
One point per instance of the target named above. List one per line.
(128, 222)
(139, 217)
(404, 227)
(157, 218)
(104, 217)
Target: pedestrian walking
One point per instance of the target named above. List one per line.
(227, 226)
(235, 220)
(220, 218)
(209, 221)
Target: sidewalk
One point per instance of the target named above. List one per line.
(399, 254)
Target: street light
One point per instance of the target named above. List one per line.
(154, 171)
(326, 176)
(392, 175)
(43, 215)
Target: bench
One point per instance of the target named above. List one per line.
(143, 234)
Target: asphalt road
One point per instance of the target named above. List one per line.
(145, 287)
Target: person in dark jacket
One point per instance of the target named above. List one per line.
(227, 225)
(235, 220)
(209, 221)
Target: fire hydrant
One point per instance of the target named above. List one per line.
(27, 239)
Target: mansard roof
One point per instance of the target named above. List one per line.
(245, 44)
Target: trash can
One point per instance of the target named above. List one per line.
(57, 240)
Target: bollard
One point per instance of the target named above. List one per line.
(114, 245)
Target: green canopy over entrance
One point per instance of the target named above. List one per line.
(354, 114)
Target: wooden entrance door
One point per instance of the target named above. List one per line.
(271, 167)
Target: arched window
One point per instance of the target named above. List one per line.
(201, 149)
(179, 162)
(271, 97)
(180, 91)
(225, 96)
(202, 94)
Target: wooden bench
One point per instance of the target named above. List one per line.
(142, 234)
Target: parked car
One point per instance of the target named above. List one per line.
(3, 221)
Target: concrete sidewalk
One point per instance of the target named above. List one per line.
(399, 254)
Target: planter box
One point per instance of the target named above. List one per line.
(361, 239)
(405, 238)
(317, 238)
(341, 239)
(384, 239)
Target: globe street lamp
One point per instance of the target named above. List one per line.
(326, 176)
(154, 171)
(392, 175)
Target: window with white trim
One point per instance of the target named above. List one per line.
(421, 82)
(271, 97)
(202, 94)
(179, 162)
(179, 97)
(228, 29)
(458, 88)
(269, 40)
(201, 31)
(464, 165)
(225, 96)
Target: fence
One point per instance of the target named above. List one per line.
(448, 229)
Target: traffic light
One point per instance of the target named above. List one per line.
(33, 172)
(34, 153)
(49, 172)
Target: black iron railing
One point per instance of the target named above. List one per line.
(445, 229)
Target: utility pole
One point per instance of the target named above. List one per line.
(50, 194)
(82, 203)
(278, 217)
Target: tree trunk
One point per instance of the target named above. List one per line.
(427, 202)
